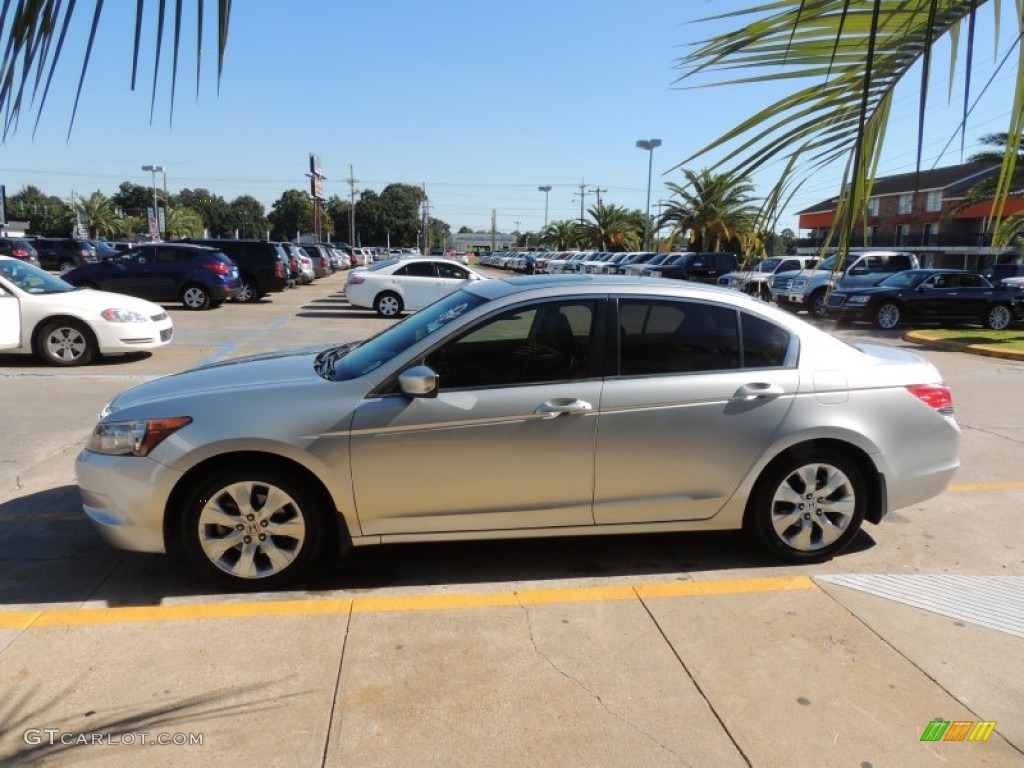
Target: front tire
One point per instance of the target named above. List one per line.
(248, 294)
(252, 528)
(196, 297)
(388, 304)
(998, 318)
(65, 265)
(818, 305)
(66, 343)
(806, 509)
(888, 316)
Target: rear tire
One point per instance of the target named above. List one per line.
(807, 509)
(998, 317)
(196, 297)
(248, 293)
(388, 304)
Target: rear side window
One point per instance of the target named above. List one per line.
(971, 281)
(765, 345)
(417, 269)
(659, 337)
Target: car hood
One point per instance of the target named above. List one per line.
(97, 301)
(272, 369)
(867, 290)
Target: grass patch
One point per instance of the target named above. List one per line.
(1009, 340)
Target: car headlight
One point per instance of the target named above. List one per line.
(857, 300)
(800, 282)
(133, 438)
(123, 316)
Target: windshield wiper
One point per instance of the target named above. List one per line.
(326, 360)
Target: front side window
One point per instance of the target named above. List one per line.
(664, 336)
(452, 272)
(536, 344)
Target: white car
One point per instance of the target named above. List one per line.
(405, 285)
(43, 315)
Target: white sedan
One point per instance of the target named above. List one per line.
(405, 285)
(43, 315)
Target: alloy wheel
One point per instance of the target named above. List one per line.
(888, 316)
(999, 317)
(66, 344)
(251, 530)
(812, 507)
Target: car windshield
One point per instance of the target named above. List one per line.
(768, 265)
(906, 279)
(31, 279)
(350, 361)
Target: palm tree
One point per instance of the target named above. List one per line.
(561, 234)
(37, 34)
(127, 228)
(99, 212)
(712, 207)
(854, 55)
(613, 228)
(184, 222)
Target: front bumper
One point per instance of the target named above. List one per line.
(124, 498)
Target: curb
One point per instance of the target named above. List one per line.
(974, 349)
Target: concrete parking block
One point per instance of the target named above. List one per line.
(569, 684)
(258, 690)
(800, 681)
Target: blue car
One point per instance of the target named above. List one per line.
(198, 277)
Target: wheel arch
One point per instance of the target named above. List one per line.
(337, 525)
(877, 495)
(37, 329)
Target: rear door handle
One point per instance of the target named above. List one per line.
(553, 408)
(759, 389)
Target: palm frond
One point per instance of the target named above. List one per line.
(853, 55)
(34, 33)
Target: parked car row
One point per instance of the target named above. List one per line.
(678, 265)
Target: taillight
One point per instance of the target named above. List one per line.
(279, 269)
(938, 396)
(216, 266)
(354, 279)
(20, 253)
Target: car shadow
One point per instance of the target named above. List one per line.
(49, 553)
(316, 312)
(105, 361)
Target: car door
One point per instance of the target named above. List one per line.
(507, 443)
(450, 277)
(973, 295)
(10, 320)
(417, 283)
(698, 392)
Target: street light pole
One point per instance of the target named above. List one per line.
(154, 169)
(545, 189)
(650, 145)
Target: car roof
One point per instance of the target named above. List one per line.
(598, 284)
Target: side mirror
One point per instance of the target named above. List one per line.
(418, 381)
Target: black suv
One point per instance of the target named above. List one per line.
(263, 266)
(698, 267)
(63, 253)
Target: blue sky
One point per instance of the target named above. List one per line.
(481, 102)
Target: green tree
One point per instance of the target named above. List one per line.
(183, 222)
(440, 233)
(249, 218)
(712, 208)
(214, 209)
(132, 199)
(847, 59)
(338, 212)
(290, 215)
(99, 214)
(393, 214)
(36, 38)
(612, 228)
(464, 230)
(47, 215)
(561, 234)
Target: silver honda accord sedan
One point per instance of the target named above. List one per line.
(535, 406)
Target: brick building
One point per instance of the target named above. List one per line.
(919, 220)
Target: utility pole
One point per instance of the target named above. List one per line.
(426, 220)
(494, 229)
(351, 205)
(598, 191)
(583, 196)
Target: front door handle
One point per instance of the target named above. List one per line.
(553, 408)
(759, 389)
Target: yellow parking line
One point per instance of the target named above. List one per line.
(19, 620)
(963, 487)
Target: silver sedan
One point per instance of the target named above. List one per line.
(665, 406)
